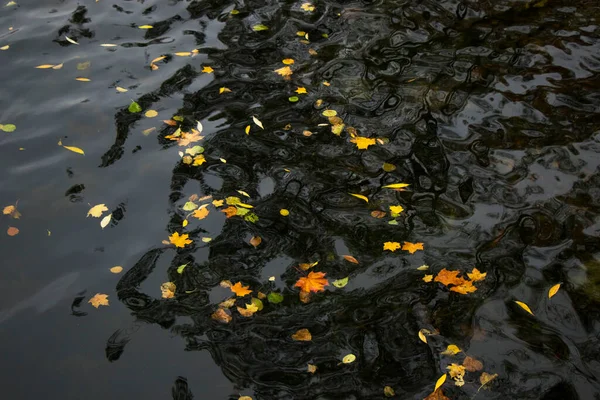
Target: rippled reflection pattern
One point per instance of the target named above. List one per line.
(492, 114)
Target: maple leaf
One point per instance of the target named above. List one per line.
(248, 311)
(217, 203)
(301, 90)
(240, 290)
(465, 288)
(286, 72)
(187, 138)
(446, 277)
(475, 275)
(314, 282)
(412, 247)
(229, 211)
(180, 241)
(363, 142)
(391, 246)
(201, 213)
(396, 210)
(97, 210)
(99, 300)
(302, 335)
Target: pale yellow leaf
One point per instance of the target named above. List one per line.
(183, 54)
(145, 27)
(45, 66)
(71, 40)
(349, 358)
(109, 45)
(151, 113)
(97, 210)
(105, 221)
(58, 66)
(257, 122)
(83, 79)
(120, 89)
(396, 186)
(5, 47)
(117, 269)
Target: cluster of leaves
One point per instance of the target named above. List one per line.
(456, 283)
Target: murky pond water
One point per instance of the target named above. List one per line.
(490, 111)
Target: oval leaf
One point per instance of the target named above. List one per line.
(440, 382)
(340, 283)
(74, 149)
(275, 297)
(360, 196)
(350, 358)
(105, 221)
(553, 290)
(524, 306)
(257, 122)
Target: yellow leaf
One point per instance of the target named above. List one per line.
(245, 398)
(387, 167)
(427, 278)
(117, 269)
(70, 40)
(396, 210)
(422, 336)
(207, 69)
(301, 90)
(108, 45)
(360, 196)
(329, 113)
(301, 33)
(287, 61)
(524, 306)
(82, 79)
(74, 149)
(307, 7)
(99, 299)
(224, 90)
(337, 129)
(185, 223)
(391, 246)
(217, 203)
(58, 66)
(396, 186)
(284, 212)
(248, 311)
(553, 290)
(151, 113)
(157, 59)
(180, 241)
(257, 122)
(475, 275)
(145, 27)
(412, 247)
(349, 358)
(457, 372)
(363, 143)
(284, 71)
(105, 221)
(451, 350)
(97, 210)
(311, 368)
(120, 89)
(440, 382)
(45, 66)
(302, 335)
(326, 83)
(247, 130)
(388, 391)
(183, 54)
(423, 268)
(5, 47)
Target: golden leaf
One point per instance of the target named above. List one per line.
(247, 129)
(427, 278)
(217, 203)
(440, 382)
(116, 270)
(224, 90)
(99, 299)
(307, 7)
(360, 196)
(183, 53)
(188, 138)
(240, 290)
(45, 66)
(180, 241)
(221, 315)
(255, 241)
(314, 282)
(524, 306)
(145, 27)
(396, 186)
(457, 372)
(362, 143)
(412, 247)
(83, 79)
(553, 290)
(302, 335)
(151, 113)
(451, 350)
(349, 358)
(475, 275)
(207, 69)
(388, 391)
(472, 364)
(288, 61)
(446, 277)
(248, 311)
(301, 90)
(422, 336)
(311, 368)
(74, 149)
(199, 160)
(284, 212)
(396, 210)
(464, 288)
(167, 290)
(201, 213)
(391, 246)
(97, 210)
(286, 71)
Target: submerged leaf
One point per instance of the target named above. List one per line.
(302, 335)
(221, 315)
(275, 297)
(472, 364)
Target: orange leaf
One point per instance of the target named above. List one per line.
(446, 278)
(187, 138)
(12, 231)
(351, 259)
(314, 282)
(229, 211)
(363, 143)
(170, 122)
(221, 316)
(377, 214)
(240, 290)
(391, 246)
(201, 213)
(179, 241)
(412, 247)
(475, 275)
(99, 300)
(255, 241)
(465, 288)
(302, 335)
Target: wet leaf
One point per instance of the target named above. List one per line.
(446, 277)
(180, 240)
(464, 288)
(451, 350)
(181, 268)
(486, 378)
(97, 210)
(396, 210)
(350, 259)
(412, 247)
(230, 302)
(396, 186)
(230, 211)
(349, 358)
(75, 149)
(472, 364)
(314, 282)
(185, 223)
(145, 27)
(12, 211)
(183, 54)
(116, 269)
(286, 71)
(245, 398)
(105, 221)
(224, 90)
(240, 290)
(201, 213)
(109, 45)
(45, 66)
(221, 315)
(207, 70)
(437, 395)
(293, 99)
(388, 391)
(340, 283)
(363, 143)
(248, 311)
(311, 368)
(391, 246)
(8, 128)
(255, 241)
(553, 290)
(524, 306)
(12, 231)
(423, 267)
(337, 129)
(288, 61)
(457, 372)
(302, 335)
(440, 382)
(301, 90)
(284, 212)
(98, 300)
(167, 290)
(151, 113)
(329, 113)
(189, 206)
(257, 122)
(134, 107)
(422, 336)
(260, 27)
(387, 167)
(378, 214)
(428, 278)
(360, 196)
(475, 275)
(120, 89)
(307, 266)
(58, 66)
(217, 203)
(275, 297)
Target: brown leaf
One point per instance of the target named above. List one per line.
(302, 335)
(221, 315)
(255, 241)
(351, 259)
(472, 364)
(304, 297)
(167, 290)
(485, 378)
(377, 214)
(437, 395)
(12, 231)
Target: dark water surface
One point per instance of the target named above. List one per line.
(490, 110)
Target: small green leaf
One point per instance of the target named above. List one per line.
(275, 297)
(181, 268)
(195, 150)
(293, 99)
(178, 118)
(84, 65)
(251, 217)
(393, 222)
(257, 302)
(241, 211)
(260, 27)
(189, 206)
(8, 127)
(340, 283)
(134, 107)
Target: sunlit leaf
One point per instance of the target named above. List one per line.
(74, 149)
(307, 266)
(157, 59)
(524, 307)
(180, 240)
(464, 288)
(360, 196)
(286, 71)
(396, 186)
(440, 382)
(427, 278)
(12, 211)
(307, 7)
(260, 27)
(8, 128)
(98, 300)
(240, 290)
(207, 69)
(83, 79)
(412, 247)
(97, 210)
(6, 47)
(301, 90)
(391, 246)
(248, 311)
(396, 210)
(109, 45)
(134, 107)
(58, 66)
(451, 350)
(311, 368)
(230, 211)
(475, 275)
(105, 221)
(201, 213)
(189, 206)
(422, 336)
(302, 335)
(257, 122)
(121, 90)
(337, 129)
(288, 61)
(314, 282)
(340, 283)
(349, 358)
(362, 143)
(224, 90)
(116, 269)
(151, 113)
(553, 290)
(45, 66)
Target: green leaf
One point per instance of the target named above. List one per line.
(393, 222)
(293, 99)
(177, 118)
(257, 302)
(134, 107)
(242, 211)
(8, 127)
(340, 283)
(251, 217)
(189, 206)
(195, 150)
(275, 298)
(83, 65)
(181, 268)
(260, 27)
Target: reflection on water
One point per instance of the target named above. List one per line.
(489, 110)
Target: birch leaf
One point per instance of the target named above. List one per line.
(71, 40)
(340, 283)
(440, 382)
(257, 122)
(105, 221)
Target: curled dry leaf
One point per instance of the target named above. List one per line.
(230, 302)
(457, 372)
(302, 335)
(98, 300)
(167, 290)
(221, 315)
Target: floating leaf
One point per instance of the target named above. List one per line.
(12, 231)
(363, 143)
(97, 210)
(391, 246)
(412, 247)
(440, 382)
(329, 113)
(121, 90)
(83, 66)
(257, 122)
(350, 259)
(255, 241)
(180, 240)
(145, 27)
(451, 350)
(340, 283)
(8, 128)
(388, 391)
(486, 378)
(457, 372)
(284, 212)
(240, 290)
(423, 267)
(301, 90)
(302, 335)
(472, 364)
(293, 99)
(148, 131)
(5, 47)
(109, 45)
(422, 336)
(248, 311)
(201, 213)
(116, 269)
(311, 368)
(437, 395)
(207, 69)
(12, 211)
(151, 113)
(524, 306)
(98, 300)
(464, 288)
(134, 107)
(349, 358)
(446, 277)
(275, 297)
(71, 40)
(396, 186)
(221, 315)
(74, 149)
(396, 210)
(475, 275)
(428, 278)
(378, 214)
(553, 290)
(387, 167)
(360, 196)
(307, 7)
(105, 221)
(288, 61)
(183, 54)
(260, 27)
(45, 66)
(167, 290)
(284, 71)
(189, 206)
(314, 282)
